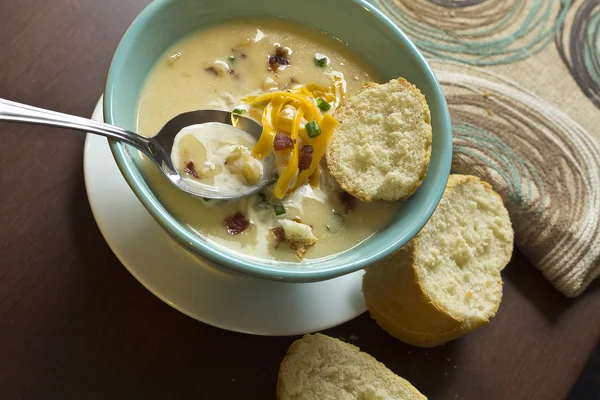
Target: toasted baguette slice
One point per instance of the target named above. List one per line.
(382, 146)
(446, 281)
(318, 367)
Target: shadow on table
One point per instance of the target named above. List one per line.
(137, 341)
(141, 345)
(531, 284)
(588, 385)
(130, 338)
(427, 369)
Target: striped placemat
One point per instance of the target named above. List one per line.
(522, 80)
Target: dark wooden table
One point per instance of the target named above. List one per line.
(75, 324)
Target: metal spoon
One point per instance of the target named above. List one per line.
(157, 148)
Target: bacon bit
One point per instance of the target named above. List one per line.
(279, 235)
(276, 61)
(298, 220)
(305, 158)
(236, 223)
(348, 201)
(212, 70)
(283, 142)
(189, 169)
(280, 58)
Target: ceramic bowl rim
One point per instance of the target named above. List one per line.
(218, 255)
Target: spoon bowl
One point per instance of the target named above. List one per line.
(161, 146)
(158, 148)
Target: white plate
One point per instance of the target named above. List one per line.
(226, 300)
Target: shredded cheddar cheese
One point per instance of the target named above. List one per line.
(287, 112)
(269, 120)
(313, 113)
(314, 179)
(282, 185)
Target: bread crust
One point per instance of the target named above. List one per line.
(417, 318)
(342, 347)
(396, 298)
(359, 191)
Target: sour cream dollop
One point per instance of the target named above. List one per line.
(218, 155)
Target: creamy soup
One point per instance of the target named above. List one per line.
(220, 68)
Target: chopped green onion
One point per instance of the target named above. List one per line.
(261, 202)
(279, 209)
(238, 111)
(312, 129)
(323, 104)
(321, 60)
(275, 179)
(231, 59)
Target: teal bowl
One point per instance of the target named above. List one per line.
(368, 32)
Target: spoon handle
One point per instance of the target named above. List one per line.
(11, 111)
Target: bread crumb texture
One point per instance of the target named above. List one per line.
(446, 281)
(318, 367)
(382, 146)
